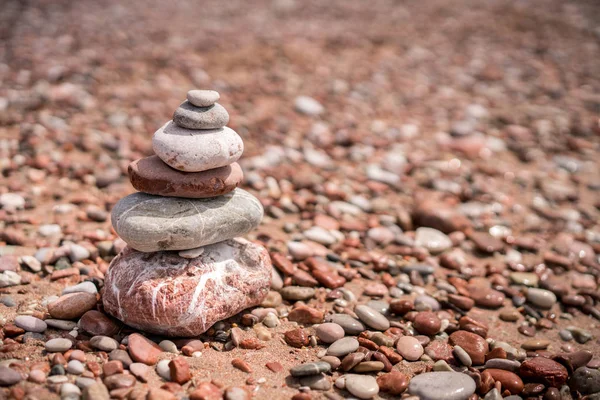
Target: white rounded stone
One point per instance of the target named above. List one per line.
(196, 150)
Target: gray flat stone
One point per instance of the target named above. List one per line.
(313, 368)
(153, 223)
(372, 318)
(30, 324)
(351, 325)
(442, 386)
(190, 116)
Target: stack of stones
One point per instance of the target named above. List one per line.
(183, 268)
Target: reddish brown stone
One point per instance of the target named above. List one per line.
(391, 355)
(306, 315)
(486, 297)
(152, 175)
(401, 306)
(394, 383)
(206, 391)
(440, 350)
(329, 279)
(283, 264)
(475, 346)
(274, 366)
(544, 370)
(509, 380)
(96, 323)
(192, 346)
(296, 338)
(498, 352)
(143, 350)
(72, 305)
(427, 323)
(241, 365)
(251, 344)
(112, 367)
(180, 370)
(462, 302)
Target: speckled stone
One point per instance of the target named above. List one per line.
(197, 150)
(154, 223)
(190, 116)
(227, 278)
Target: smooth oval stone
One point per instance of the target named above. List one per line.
(152, 223)
(503, 363)
(9, 376)
(312, 368)
(151, 175)
(315, 382)
(351, 326)
(535, 344)
(372, 318)
(541, 297)
(104, 343)
(30, 324)
(463, 356)
(343, 346)
(586, 380)
(193, 150)
(361, 386)
(227, 278)
(297, 293)
(190, 116)
(432, 239)
(58, 345)
(329, 332)
(409, 347)
(61, 324)
(203, 98)
(442, 386)
(87, 287)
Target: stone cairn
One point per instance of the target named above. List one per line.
(183, 268)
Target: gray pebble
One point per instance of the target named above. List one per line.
(463, 356)
(82, 382)
(379, 305)
(424, 303)
(87, 287)
(585, 380)
(75, 367)
(61, 324)
(343, 346)
(104, 343)
(69, 391)
(8, 301)
(297, 293)
(313, 368)
(541, 298)
(168, 346)
(30, 324)
(372, 318)
(351, 326)
(565, 335)
(361, 386)
(442, 386)
(316, 382)
(505, 364)
(189, 116)
(58, 345)
(9, 376)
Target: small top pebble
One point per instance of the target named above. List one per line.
(203, 98)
